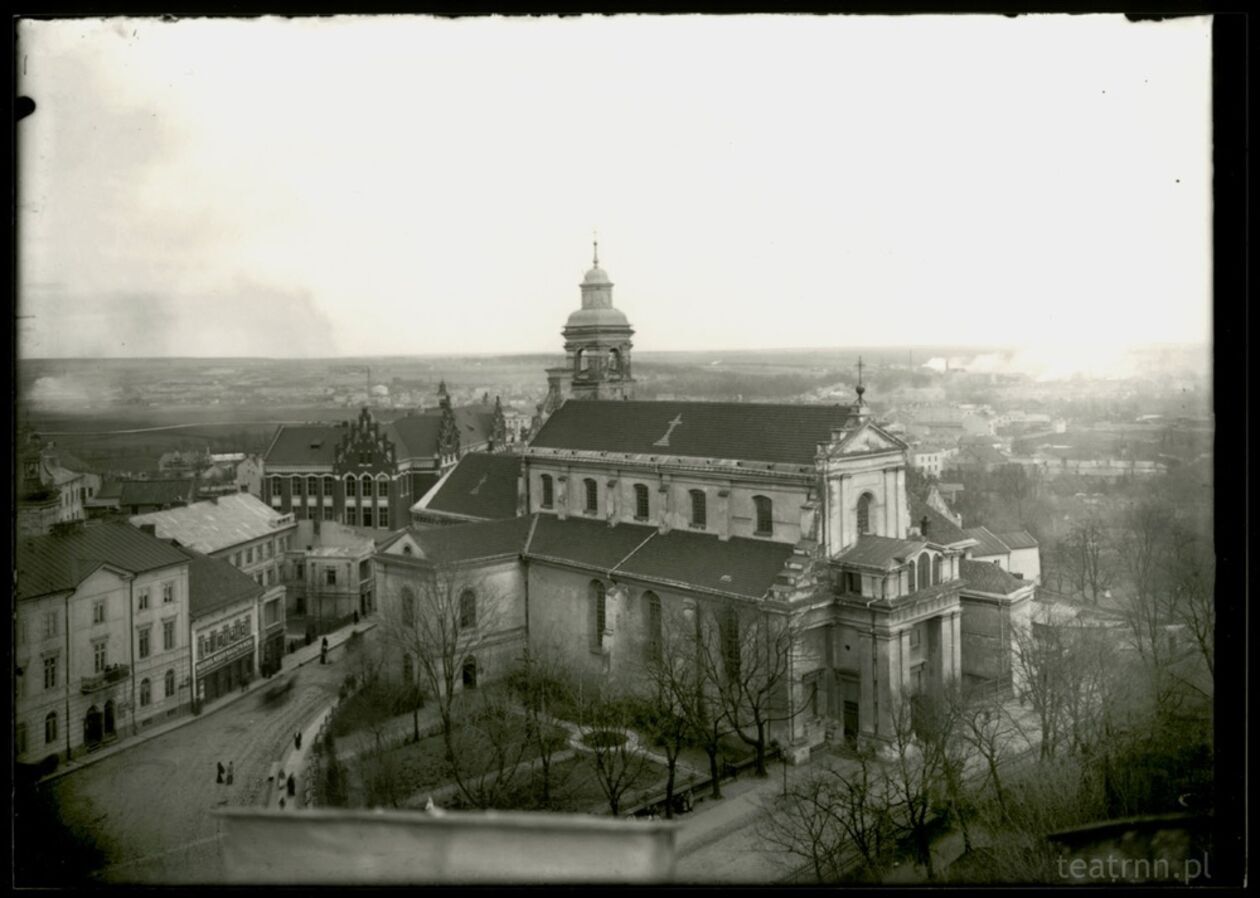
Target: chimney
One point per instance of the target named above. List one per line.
(923, 526)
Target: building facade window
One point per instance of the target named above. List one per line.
(168, 635)
(383, 514)
(654, 631)
(50, 624)
(382, 488)
(864, 513)
(642, 508)
(914, 637)
(249, 555)
(330, 576)
(50, 672)
(925, 570)
(548, 491)
(168, 682)
(146, 693)
(599, 613)
(295, 487)
(591, 489)
(352, 487)
(328, 485)
(467, 610)
(699, 512)
(168, 593)
(100, 656)
(765, 515)
(352, 517)
(142, 600)
(50, 728)
(367, 516)
(142, 642)
(936, 569)
(98, 611)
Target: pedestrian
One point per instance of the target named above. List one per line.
(292, 786)
(297, 740)
(356, 616)
(219, 777)
(323, 651)
(230, 773)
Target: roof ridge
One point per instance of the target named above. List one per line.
(632, 551)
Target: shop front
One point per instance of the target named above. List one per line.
(225, 670)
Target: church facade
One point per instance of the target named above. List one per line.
(649, 519)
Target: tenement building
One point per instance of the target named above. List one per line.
(785, 535)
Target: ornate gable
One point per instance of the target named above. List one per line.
(863, 439)
(365, 449)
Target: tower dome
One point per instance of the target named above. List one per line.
(597, 341)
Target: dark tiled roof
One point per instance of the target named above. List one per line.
(589, 543)
(482, 485)
(941, 530)
(47, 564)
(988, 543)
(161, 493)
(304, 444)
(730, 430)
(416, 435)
(1018, 539)
(469, 542)
(880, 551)
(214, 584)
(986, 576)
(741, 567)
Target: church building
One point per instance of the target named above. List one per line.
(642, 519)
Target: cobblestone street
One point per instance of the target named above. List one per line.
(149, 807)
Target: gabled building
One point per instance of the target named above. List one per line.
(366, 473)
(132, 497)
(1015, 551)
(242, 530)
(100, 637)
(231, 619)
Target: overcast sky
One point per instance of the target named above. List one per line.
(363, 186)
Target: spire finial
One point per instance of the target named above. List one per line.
(595, 240)
(860, 388)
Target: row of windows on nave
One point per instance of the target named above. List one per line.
(764, 507)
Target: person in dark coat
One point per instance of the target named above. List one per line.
(292, 786)
(323, 651)
(219, 777)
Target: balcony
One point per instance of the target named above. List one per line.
(108, 677)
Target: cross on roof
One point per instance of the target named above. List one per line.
(664, 441)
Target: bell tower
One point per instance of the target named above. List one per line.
(597, 342)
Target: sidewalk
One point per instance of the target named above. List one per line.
(289, 663)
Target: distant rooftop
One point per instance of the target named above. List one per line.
(214, 525)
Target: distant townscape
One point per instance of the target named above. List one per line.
(883, 615)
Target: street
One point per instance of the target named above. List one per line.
(149, 807)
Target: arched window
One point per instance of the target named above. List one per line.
(652, 604)
(470, 673)
(864, 513)
(367, 486)
(296, 486)
(614, 361)
(312, 486)
(641, 508)
(170, 683)
(50, 728)
(925, 570)
(765, 515)
(352, 486)
(328, 485)
(548, 491)
(580, 362)
(599, 613)
(467, 610)
(146, 692)
(910, 581)
(407, 598)
(592, 495)
(699, 516)
(936, 569)
(382, 487)
(407, 551)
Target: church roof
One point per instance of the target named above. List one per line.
(883, 552)
(740, 567)
(986, 576)
(482, 485)
(596, 275)
(758, 432)
(608, 317)
(584, 542)
(468, 542)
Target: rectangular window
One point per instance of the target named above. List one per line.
(914, 638)
(249, 555)
(99, 658)
(271, 549)
(548, 491)
(168, 593)
(592, 496)
(330, 576)
(201, 646)
(143, 642)
(50, 672)
(168, 635)
(352, 517)
(142, 600)
(641, 510)
(367, 517)
(383, 515)
(50, 728)
(699, 513)
(98, 611)
(853, 582)
(382, 488)
(271, 612)
(50, 624)
(329, 513)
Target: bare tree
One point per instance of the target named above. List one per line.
(1191, 574)
(1039, 658)
(440, 621)
(915, 771)
(543, 685)
(805, 823)
(492, 744)
(618, 765)
(1088, 558)
(747, 656)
